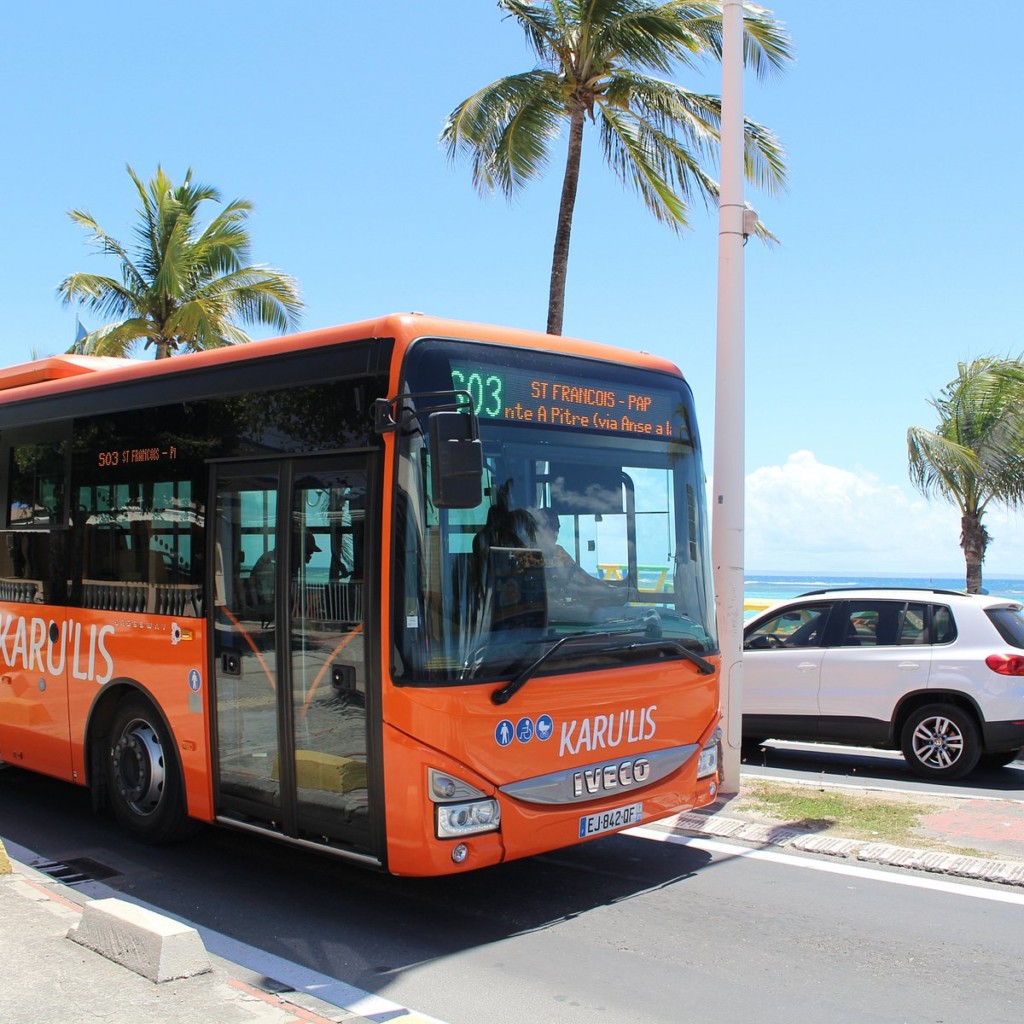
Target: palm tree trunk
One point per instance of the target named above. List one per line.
(973, 540)
(560, 259)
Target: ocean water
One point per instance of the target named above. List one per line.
(772, 587)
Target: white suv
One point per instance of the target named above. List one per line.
(935, 673)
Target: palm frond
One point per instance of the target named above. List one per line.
(659, 169)
(655, 37)
(225, 242)
(539, 23)
(103, 295)
(671, 108)
(767, 46)
(685, 127)
(254, 295)
(175, 272)
(506, 128)
(942, 468)
(117, 339)
(109, 246)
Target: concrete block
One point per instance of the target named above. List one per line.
(148, 943)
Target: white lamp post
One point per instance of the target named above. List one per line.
(727, 494)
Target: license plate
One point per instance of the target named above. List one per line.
(609, 821)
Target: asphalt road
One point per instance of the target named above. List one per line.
(884, 769)
(621, 929)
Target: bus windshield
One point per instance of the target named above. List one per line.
(589, 546)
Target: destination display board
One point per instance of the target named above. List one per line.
(133, 455)
(544, 396)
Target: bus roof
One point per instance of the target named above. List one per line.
(65, 373)
(55, 368)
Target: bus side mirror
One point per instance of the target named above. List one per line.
(456, 460)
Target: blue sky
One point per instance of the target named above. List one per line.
(902, 231)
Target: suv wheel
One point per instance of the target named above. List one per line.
(1000, 760)
(941, 741)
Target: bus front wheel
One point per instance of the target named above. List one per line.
(143, 781)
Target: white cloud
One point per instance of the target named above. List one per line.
(806, 516)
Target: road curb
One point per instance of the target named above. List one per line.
(1005, 872)
(5, 861)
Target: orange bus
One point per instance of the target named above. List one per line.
(425, 594)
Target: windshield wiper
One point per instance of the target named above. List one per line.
(704, 667)
(514, 685)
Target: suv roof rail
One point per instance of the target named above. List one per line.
(922, 590)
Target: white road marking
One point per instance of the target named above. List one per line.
(849, 870)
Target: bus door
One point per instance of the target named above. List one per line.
(289, 649)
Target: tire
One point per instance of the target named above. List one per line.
(1000, 760)
(941, 742)
(143, 776)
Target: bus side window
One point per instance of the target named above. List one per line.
(139, 548)
(32, 566)
(36, 474)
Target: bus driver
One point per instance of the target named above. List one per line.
(567, 581)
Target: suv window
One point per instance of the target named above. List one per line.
(943, 625)
(893, 623)
(797, 626)
(1010, 624)
(862, 621)
(913, 624)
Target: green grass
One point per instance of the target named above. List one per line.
(871, 816)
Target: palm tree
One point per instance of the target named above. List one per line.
(975, 456)
(597, 62)
(182, 286)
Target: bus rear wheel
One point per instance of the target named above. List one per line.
(143, 779)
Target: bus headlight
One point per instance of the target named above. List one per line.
(455, 820)
(707, 763)
(461, 809)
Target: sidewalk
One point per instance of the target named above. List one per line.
(48, 977)
(980, 839)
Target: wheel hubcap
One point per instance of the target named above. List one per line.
(938, 743)
(139, 767)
